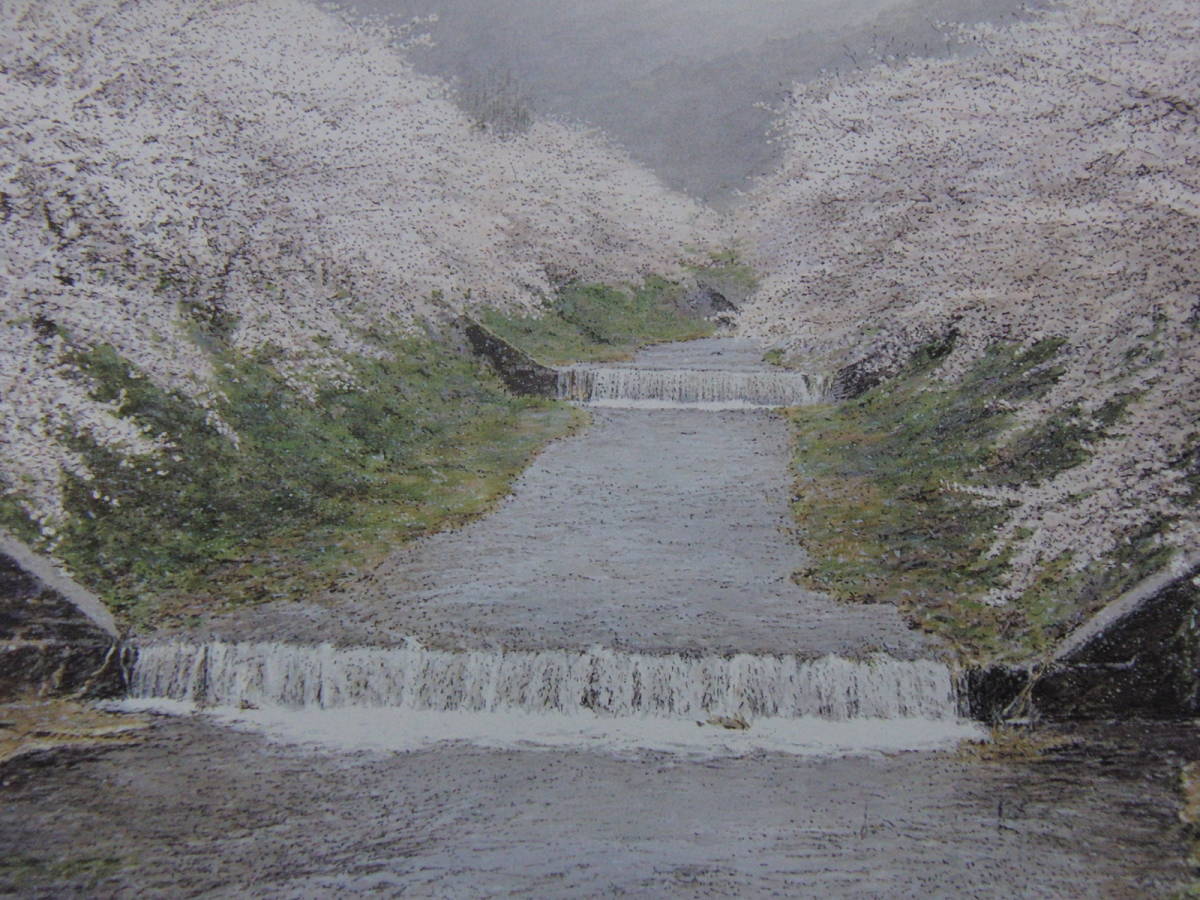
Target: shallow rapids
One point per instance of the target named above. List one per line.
(410, 696)
(649, 388)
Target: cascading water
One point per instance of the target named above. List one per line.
(556, 697)
(705, 388)
(597, 680)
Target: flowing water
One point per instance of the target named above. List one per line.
(410, 697)
(646, 388)
(650, 531)
(597, 680)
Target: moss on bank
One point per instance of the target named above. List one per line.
(877, 509)
(726, 273)
(321, 482)
(37, 725)
(598, 323)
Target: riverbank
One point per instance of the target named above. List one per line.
(282, 487)
(903, 493)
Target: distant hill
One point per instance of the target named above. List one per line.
(688, 86)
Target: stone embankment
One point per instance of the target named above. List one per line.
(1138, 657)
(55, 636)
(521, 373)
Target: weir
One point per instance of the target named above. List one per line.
(634, 387)
(597, 681)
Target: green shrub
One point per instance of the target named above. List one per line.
(874, 510)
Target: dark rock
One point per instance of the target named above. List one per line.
(520, 372)
(855, 379)
(1138, 657)
(991, 691)
(55, 637)
(860, 376)
(703, 301)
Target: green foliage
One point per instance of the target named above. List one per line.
(596, 323)
(1045, 449)
(728, 274)
(1189, 464)
(549, 338)
(1061, 599)
(930, 354)
(13, 517)
(877, 511)
(310, 491)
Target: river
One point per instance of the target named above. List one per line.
(610, 685)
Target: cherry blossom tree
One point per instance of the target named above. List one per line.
(1047, 185)
(261, 173)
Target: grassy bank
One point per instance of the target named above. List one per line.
(877, 508)
(320, 484)
(599, 323)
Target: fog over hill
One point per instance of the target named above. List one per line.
(688, 86)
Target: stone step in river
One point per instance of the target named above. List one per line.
(409, 697)
(597, 680)
(644, 388)
(720, 374)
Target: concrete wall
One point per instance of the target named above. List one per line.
(55, 637)
(522, 373)
(1138, 657)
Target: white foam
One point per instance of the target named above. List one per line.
(693, 388)
(391, 729)
(409, 697)
(598, 680)
(709, 406)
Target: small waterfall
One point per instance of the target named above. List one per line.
(597, 682)
(634, 387)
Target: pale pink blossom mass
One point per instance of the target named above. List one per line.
(1046, 185)
(264, 165)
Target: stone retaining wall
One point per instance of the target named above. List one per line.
(521, 372)
(55, 637)
(1138, 657)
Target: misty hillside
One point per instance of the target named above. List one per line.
(690, 89)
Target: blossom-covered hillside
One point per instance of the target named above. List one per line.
(259, 174)
(1046, 187)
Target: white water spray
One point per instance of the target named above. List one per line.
(411, 698)
(714, 389)
(562, 681)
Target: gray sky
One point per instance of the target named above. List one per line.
(678, 82)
